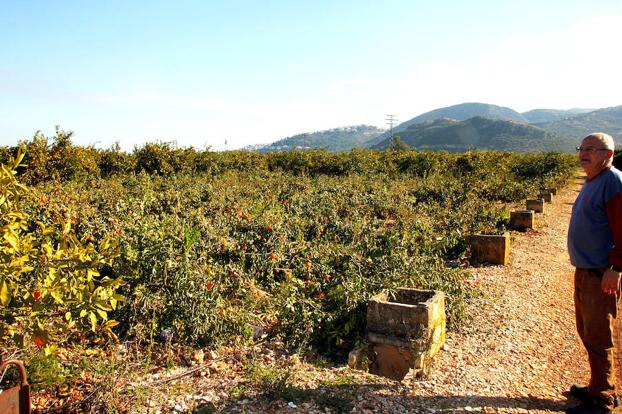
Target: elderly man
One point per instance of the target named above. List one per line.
(595, 248)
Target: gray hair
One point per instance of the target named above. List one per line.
(605, 139)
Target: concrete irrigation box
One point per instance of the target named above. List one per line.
(536, 204)
(522, 219)
(552, 190)
(406, 332)
(548, 197)
(491, 249)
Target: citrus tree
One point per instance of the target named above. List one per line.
(50, 285)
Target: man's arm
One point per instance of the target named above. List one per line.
(614, 216)
(611, 278)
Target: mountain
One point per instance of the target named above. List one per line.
(607, 120)
(469, 125)
(459, 112)
(549, 115)
(336, 139)
(481, 133)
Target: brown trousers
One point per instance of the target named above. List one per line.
(595, 315)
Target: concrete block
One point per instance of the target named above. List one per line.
(522, 219)
(491, 249)
(552, 190)
(536, 204)
(547, 197)
(406, 332)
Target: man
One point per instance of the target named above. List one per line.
(595, 248)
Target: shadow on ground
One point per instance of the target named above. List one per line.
(377, 398)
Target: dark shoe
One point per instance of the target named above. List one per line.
(580, 393)
(589, 407)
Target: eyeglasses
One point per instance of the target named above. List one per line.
(590, 150)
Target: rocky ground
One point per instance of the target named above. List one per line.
(519, 354)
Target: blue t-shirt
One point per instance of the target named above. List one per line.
(595, 222)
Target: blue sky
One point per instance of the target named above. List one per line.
(202, 72)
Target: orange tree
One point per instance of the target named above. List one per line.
(49, 281)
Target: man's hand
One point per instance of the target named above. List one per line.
(610, 282)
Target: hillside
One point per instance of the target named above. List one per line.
(458, 112)
(482, 133)
(551, 115)
(607, 120)
(336, 139)
(453, 129)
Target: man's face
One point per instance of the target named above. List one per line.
(593, 161)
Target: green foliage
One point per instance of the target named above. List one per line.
(49, 280)
(397, 144)
(274, 382)
(63, 161)
(45, 371)
(211, 258)
(533, 166)
(67, 161)
(114, 161)
(277, 381)
(216, 247)
(38, 154)
(59, 160)
(160, 158)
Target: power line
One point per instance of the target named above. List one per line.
(390, 120)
